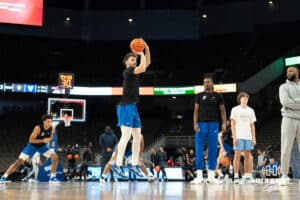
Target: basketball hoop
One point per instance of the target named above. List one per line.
(67, 119)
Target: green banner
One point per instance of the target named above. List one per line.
(174, 90)
(292, 61)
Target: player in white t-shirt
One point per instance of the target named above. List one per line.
(243, 133)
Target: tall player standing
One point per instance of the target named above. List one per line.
(209, 108)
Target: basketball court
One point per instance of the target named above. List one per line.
(236, 46)
(145, 190)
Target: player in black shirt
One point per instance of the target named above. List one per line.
(38, 142)
(209, 109)
(128, 116)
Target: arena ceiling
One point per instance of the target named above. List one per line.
(135, 4)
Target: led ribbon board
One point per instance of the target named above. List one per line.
(112, 91)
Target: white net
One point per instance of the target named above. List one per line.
(67, 120)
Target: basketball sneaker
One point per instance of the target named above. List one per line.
(226, 179)
(249, 180)
(284, 181)
(136, 171)
(102, 180)
(197, 180)
(3, 180)
(151, 178)
(53, 180)
(236, 181)
(211, 178)
(119, 172)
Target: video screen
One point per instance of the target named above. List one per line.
(25, 12)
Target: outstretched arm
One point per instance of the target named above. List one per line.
(142, 66)
(147, 54)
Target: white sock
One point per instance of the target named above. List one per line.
(248, 175)
(52, 175)
(236, 175)
(284, 176)
(136, 145)
(211, 174)
(5, 175)
(126, 134)
(199, 174)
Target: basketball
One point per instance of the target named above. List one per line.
(157, 168)
(76, 156)
(137, 45)
(69, 156)
(224, 161)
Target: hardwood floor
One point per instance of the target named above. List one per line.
(145, 190)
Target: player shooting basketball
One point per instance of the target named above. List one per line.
(128, 116)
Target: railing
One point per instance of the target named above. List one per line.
(159, 142)
(180, 141)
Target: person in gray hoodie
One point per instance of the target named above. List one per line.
(289, 94)
(108, 141)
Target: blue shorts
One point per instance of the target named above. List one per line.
(30, 150)
(128, 116)
(244, 145)
(228, 149)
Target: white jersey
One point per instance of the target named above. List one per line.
(243, 118)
